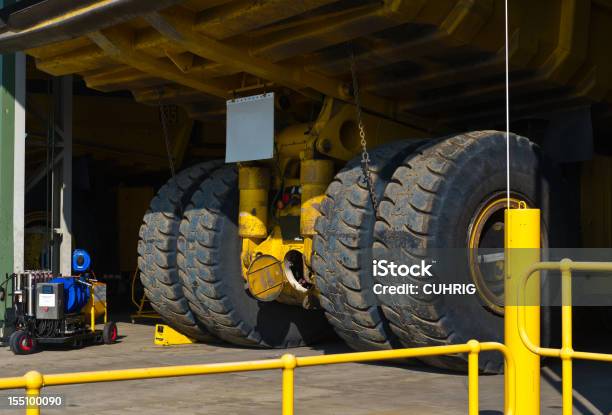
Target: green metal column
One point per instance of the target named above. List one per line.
(7, 178)
(7, 153)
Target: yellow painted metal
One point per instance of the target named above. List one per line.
(33, 384)
(558, 47)
(333, 133)
(289, 364)
(178, 25)
(315, 176)
(473, 377)
(566, 338)
(34, 381)
(141, 312)
(292, 142)
(92, 312)
(522, 243)
(265, 278)
(167, 336)
(274, 246)
(338, 135)
(487, 209)
(253, 183)
(96, 305)
(221, 23)
(117, 45)
(566, 353)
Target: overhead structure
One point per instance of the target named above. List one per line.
(416, 58)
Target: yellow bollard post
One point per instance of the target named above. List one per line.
(566, 336)
(34, 382)
(290, 362)
(522, 242)
(92, 310)
(473, 377)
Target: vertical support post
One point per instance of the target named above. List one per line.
(34, 382)
(12, 161)
(290, 363)
(315, 176)
(473, 377)
(19, 163)
(63, 117)
(566, 336)
(522, 243)
(92, 298)
(7, 156)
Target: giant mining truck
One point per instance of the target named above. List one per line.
(386, 125)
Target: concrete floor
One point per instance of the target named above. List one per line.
(360, 389)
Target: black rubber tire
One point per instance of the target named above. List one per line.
(109, 333)
(12, 341)
(429, 204)
(16, 343)
(209, 267)
(342, 257)
(157, 250)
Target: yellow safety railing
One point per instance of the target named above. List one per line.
(34, 381)
(566, 353)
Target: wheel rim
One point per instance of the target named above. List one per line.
(486, 249)
(25, 344)
(113, 333)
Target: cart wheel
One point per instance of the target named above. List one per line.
(21, 342)
(109, 335)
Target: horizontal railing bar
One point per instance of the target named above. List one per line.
(590, 266)
(601, 357)
(34, 381)
(12, 383)
(563, 265)
(357, 357)
(212, 368)
(159, 372)
(572, 265)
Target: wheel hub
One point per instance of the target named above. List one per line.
(486, 249)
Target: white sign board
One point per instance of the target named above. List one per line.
(46, 300)
(250, 128)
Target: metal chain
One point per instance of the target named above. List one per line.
(365, 156)
(162, 115)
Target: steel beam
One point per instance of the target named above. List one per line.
(119, 46)
(42, 172)
(218, 22)
(178, 26)
(275, 44)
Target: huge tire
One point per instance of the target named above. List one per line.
(157, 250)
(209, 264)
(429, 205)
(342, 258)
